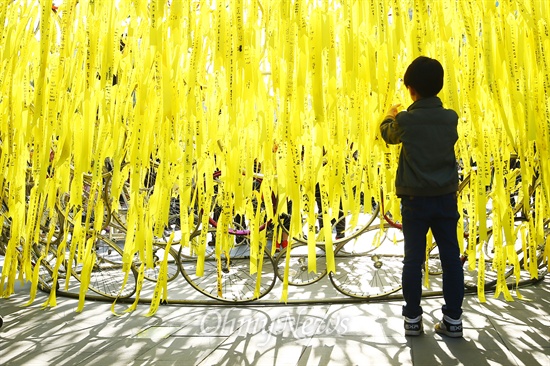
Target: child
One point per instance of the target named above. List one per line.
(427, 184)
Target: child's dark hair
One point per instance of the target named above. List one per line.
(425, 76)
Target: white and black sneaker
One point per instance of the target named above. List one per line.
(413, 326)
(449, 327)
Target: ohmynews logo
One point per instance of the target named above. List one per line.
(296, 325)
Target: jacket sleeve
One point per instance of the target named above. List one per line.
(390, 130)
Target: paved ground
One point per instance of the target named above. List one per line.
(496, 333)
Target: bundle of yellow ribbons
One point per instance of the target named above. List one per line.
(197, 86)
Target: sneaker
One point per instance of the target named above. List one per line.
(413, 326)
(281, 245)
(449, 327)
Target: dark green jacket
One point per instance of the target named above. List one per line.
(427, 162)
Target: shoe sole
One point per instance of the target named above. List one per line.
(413, 332)
(451, 335)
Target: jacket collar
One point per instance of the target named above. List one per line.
(430, 102)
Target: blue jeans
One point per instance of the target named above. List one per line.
(439, 213)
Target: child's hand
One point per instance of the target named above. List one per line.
(393, 110)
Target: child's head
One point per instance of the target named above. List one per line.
(425, 76)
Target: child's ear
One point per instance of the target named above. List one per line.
(413, 93)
